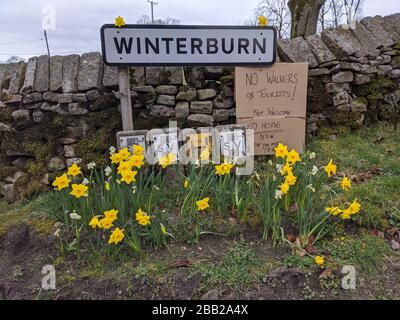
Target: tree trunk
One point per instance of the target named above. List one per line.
(304, 16)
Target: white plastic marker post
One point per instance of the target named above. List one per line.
(125, 98)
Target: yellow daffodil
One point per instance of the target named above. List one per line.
(116, 158)
(95, 222)
(124, 166)
(346, 183)
(330, 168)
(142, 218)
(106, 223)
(138, 150)
(74, 170)
(128, 176)
(293, 157)
(202, 204)
(124, 153)
(140, 213)
(167, 160)
(334, 210)
(290, 179)
(61, 182)
(107, 186)
(284, 188)
(223, 168)
(116, 236)
(79, 190)
(164, 162)
(227, 167)
(319, 260)
(137, 161)
(119, 22)
(286, 169)
(219, 170)
(111, 214)
(355, 207)
(262, 21)
(281, 151)
(346, 214)
(185, 184)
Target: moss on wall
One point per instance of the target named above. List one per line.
(5, 114)
(102, 127)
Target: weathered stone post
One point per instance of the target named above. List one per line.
(125, 99)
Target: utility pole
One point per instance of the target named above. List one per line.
(152, 3)
(47, 43)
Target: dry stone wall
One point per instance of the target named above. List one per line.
(56, 111)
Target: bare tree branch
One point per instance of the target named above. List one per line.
(277, 13)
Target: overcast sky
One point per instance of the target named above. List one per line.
(78, 21)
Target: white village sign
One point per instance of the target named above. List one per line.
(135, 45)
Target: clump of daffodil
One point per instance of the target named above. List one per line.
(116, 236)
(74, 170)
(224, 168)
(203, 204)
(107, 220)
(61, 182)
(291, 158)
(167, 160)
(142, 218)
(79, 190)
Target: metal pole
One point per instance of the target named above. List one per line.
(47, 43)
(152, 3)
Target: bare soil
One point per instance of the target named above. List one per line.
(23, 253)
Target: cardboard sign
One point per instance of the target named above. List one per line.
(277, 91)
(273, 102)
(268, 132)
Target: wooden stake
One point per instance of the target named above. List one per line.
(125, 99)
